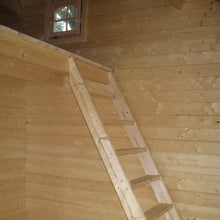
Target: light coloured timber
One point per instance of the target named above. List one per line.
(101, 94)
(194, 185)
(194, 58)
(196, 198)
(127, 151)
(187, 109)
(92, 72)
(157, 211)
(172, 96)
(191, 83)
(192, 160)
(203, 212)
(194, 121)
(118, 122)
(142, 181)
(145, 158)
(12, 146)
(177, 72)
(167, 23)
(192, 147)
(185, 134)
(35, 48)
(96, 86)
(44, 209)
(165, 32)
(166, 11)
(104, 145)
(167, 35)
(23, 69)
(170, 42)
(144, 48)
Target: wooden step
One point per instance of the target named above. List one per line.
(123, 152)
(157, 211)
(118, 122)
(143, 180)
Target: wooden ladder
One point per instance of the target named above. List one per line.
(79, 70)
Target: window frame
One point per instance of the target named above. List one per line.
(79, 34)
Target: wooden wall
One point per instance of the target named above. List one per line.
(167, 65)
(66, 178)
(49, 165)
(12, 147)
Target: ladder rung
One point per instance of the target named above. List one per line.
(104, 94)
(118, 122)
(143, 180)
(157, 211)
(122, 152)
(101, 94)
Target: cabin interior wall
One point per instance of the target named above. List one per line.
(167, 66)
(66, 178)
(12, 147)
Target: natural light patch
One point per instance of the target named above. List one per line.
(65, 19)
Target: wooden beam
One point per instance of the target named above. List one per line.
(177, 3)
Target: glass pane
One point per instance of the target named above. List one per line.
(60, 26)
(61, 14)
(72, 25)
(72, 11)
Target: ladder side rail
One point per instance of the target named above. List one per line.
(145, 158)
(104, 145)
(133, 131)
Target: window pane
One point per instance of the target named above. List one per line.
(72, 11)
(72, 25)
(60, 26)
(61, 14)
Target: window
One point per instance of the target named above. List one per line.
(65, 19)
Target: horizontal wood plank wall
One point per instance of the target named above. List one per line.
(66, 178)
(12, 148)
(168, 66)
